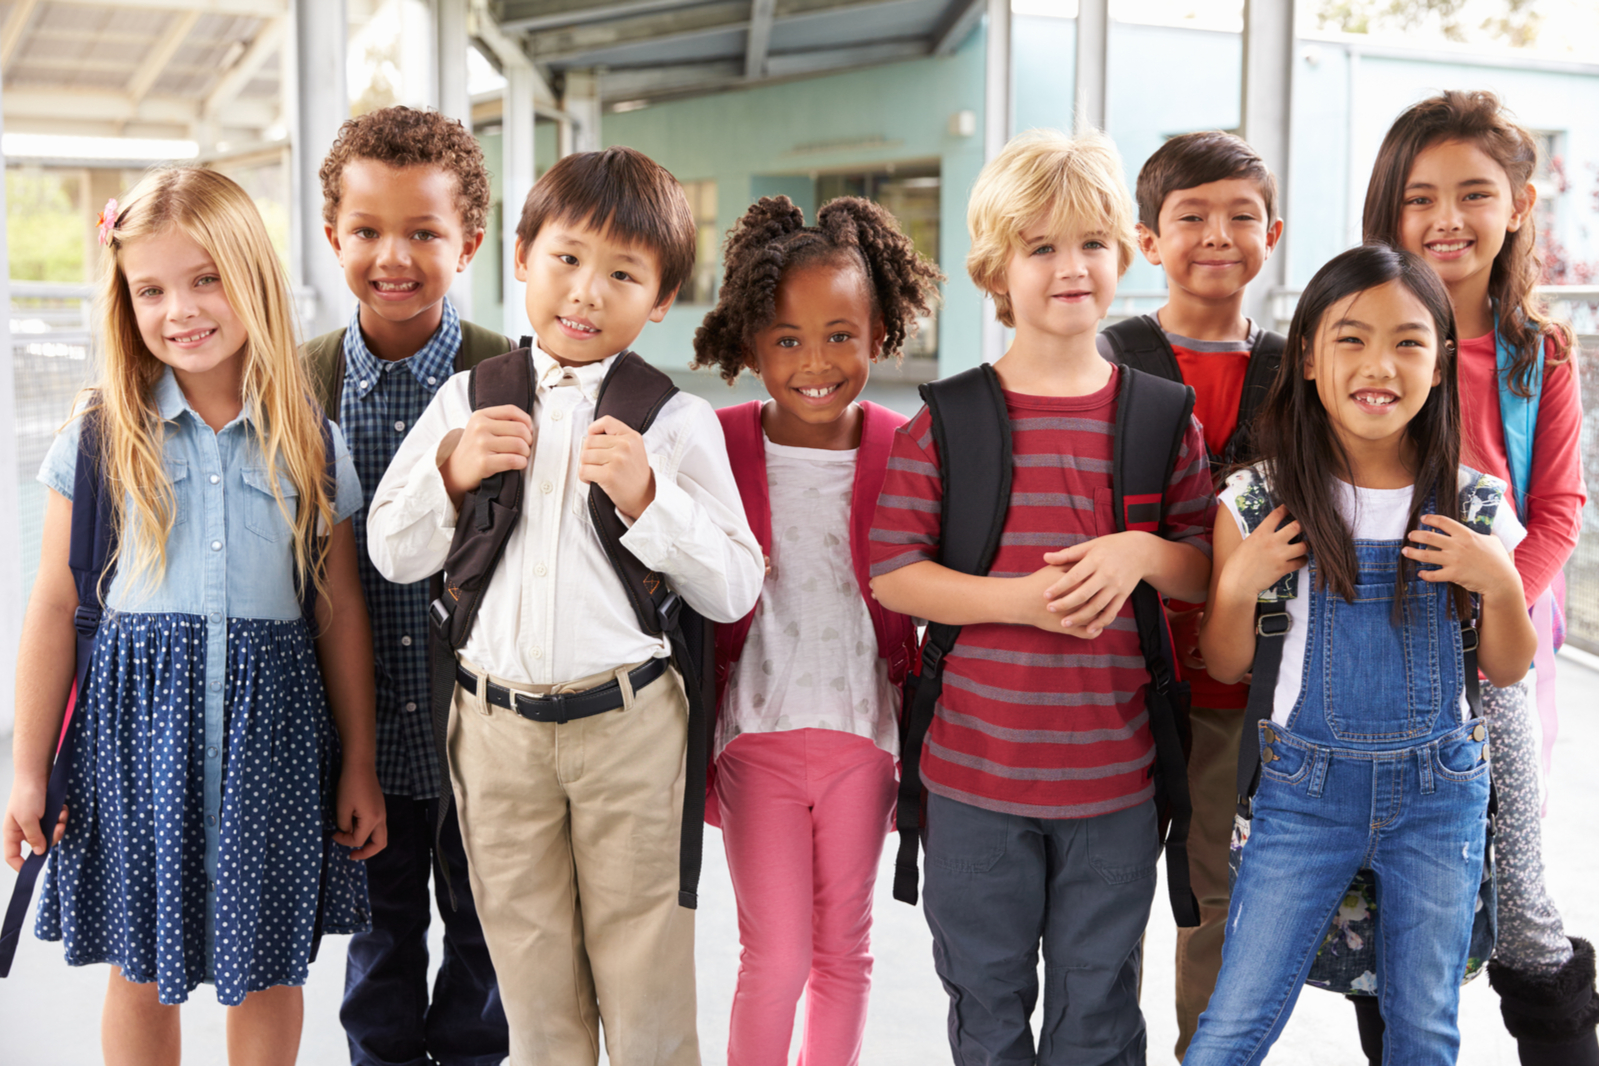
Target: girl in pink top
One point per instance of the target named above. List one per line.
(808, 684)
(1452, 184)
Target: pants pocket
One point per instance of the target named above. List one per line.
(1124, 846)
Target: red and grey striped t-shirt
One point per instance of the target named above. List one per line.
(1029, 722)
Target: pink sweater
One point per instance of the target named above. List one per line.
(1556, 492)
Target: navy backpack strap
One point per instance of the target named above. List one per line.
(92, 545)
(1265, 356)
(1141, 467)
(968, 410)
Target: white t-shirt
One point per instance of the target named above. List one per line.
(1373, 515)
(811, 659)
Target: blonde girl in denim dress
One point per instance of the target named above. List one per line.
(207, 766)
(1371, 758)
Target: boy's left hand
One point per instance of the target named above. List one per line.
(1476, 562)
(1101, 573)
(614, 458)
(363, 822)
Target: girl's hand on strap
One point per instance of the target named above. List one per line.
(1476, 562)
(363, 823)
(23, 814)
(1265, 556)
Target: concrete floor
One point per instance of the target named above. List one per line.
(49, 1013)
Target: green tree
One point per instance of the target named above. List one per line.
(1516, 23)
(44, 231)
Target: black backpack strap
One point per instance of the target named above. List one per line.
(1141, 466)
(488, 515)
(89, 555)
(1140, 343)
(1265, 356)
(634, 393)
(968, 410)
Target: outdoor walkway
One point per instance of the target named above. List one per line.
(49, 1013)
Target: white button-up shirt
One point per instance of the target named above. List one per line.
(554, 610)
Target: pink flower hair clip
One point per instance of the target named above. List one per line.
(107, 223)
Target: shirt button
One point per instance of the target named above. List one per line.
(558, 415)
(216, 616)
(411, 705)
(406, 640)
(211, 820)
(537, 653)
(546, 488)
(538, 568)
(216, 686)
(399, 427)
(216, 546)
(432, 380)
(215, 478)
(363, 383)
(211, 752)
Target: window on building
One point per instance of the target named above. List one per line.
(1548, 179)
(702, 285)
(910, 192)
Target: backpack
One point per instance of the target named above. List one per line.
(896, 633)
(968, 409)
(1354, 939)
(634, 393)
(324, 357)
(1140, 343)
(90, 556)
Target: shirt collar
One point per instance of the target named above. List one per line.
(430, 365)
(548, 374)
(171, 403)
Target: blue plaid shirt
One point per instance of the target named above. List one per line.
(380, 402)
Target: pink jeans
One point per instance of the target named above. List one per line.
(804, 815)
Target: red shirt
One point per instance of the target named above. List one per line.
(1029, 722)
(1553, 511)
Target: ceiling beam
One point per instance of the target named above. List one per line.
(549, 14)
(230, 85)
(959, 19)
(788, 64)
(113, 106)
(759, 38)
(254, 8)
(11, 32)
(574, 40)
(160, 54)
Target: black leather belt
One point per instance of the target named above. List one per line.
(563, 707)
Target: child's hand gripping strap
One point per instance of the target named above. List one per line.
(93, 544)
(1254, 503)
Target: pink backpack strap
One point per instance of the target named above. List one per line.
(896, 632)
(747, 456)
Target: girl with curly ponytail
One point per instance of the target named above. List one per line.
(808, 683)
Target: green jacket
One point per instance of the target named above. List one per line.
(324, 358)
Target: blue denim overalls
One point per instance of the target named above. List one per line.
(1375, 770)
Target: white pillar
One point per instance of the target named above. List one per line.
(11, 606)
(321, 103)
(516, 178)
(1266, 96)
(996, 131)
(1093, 33)
(580, 98)
(450, 81)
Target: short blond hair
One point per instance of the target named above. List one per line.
(1044, 172)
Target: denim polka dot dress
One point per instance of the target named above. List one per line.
(201, 798)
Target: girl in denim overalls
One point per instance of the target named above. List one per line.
(1371, 759)
(205, 764)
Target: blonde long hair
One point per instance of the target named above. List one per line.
(217, 215)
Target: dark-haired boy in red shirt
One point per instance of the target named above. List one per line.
(1208, 218)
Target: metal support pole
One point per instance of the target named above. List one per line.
(321, 103)
(1266, 95)
(516, 178)
(580, 98)
(10, 503)
(996, 131)
(1089, 99)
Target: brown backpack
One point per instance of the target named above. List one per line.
(634, 393)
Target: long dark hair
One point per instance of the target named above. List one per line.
(1478, 119)
(1295, 433)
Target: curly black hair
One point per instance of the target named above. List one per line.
(773, 238)
(409, 137)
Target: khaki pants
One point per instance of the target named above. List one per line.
(1213, 761)
(571, 834)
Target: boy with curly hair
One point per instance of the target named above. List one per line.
(405, 194)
